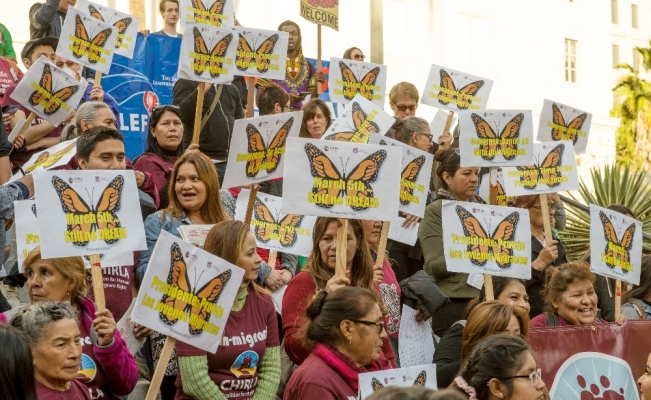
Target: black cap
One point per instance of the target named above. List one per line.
(54, 42)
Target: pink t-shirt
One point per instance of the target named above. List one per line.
(390, 291)
(90, 373)
(77, 391)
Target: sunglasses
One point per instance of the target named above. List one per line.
(359, 57)
(164, 107)
(402, 108)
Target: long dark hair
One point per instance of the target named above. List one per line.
(152, 144)
(16, 366)
(499, 283)
(644, 288)
(449, 161)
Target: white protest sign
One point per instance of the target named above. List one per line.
(422, 375)
(339, 179)
(195, 234)
(59, 154)
(486, 239)
(125, 24)
(273, 230)
(257, 152)
(207, 12)
(48, 91)
(261, 53)
(87, 40)
(437, 126)
(16, 129)
(187, 293)
(561, 122)
(88, 212)
(415, 338)
(484, 189)
(208, 54)
(615, 245)
(414, 176)
(399, 233)
(495, 138)
(349, 77)
(360, 119)
(553, 170)
(455, 90)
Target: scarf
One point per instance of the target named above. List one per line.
(345, 366)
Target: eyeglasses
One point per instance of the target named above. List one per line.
(553, 207)
(535, 376)
(359, 57)
(429, 135)
(378, 324)
(402, 108)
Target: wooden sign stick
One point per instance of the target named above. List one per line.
(249, 205)
(157, 378)
(98, 282)
(250, 97)
(273, 255)
(546, 224)
(198, 112)
(23, 129)
(618, 298)
(448, 121)
(342, 242)
(318, 56)
(98, 78)
(382, 244)
(488, 278)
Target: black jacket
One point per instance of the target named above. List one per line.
(215, 138)
(535, 284)
(447, 355)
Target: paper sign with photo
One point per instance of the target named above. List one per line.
(187, 293)
(339, 179)
(553, 170)
(422, 375)
(496, 138)
(349, 78)
(261, 53)
(57, 155)
(273, 230)
(88, 212)
(561, 122)
(125, 24)
(615, 245)
(455, 90)
(208, 54)
(486, 239)
(414, 175)
(195, 234)
(402, 234)
(207, 12)
(257, 152)
(49, 92)
(87, 40)
(360, 120)
(484, 189)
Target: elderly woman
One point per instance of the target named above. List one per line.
(345, 333)
(56, 343)
(16, 366)
(316, 119)
(403, 99)
(111, 371)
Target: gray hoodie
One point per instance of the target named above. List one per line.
(45, 20)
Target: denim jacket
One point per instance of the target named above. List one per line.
(631, 312)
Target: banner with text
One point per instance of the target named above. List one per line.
(360, 119)
(87, 40)
(321, 12)
(349, 78)
(561, 122)
(125, 24)
(455, 90)
(207, 12)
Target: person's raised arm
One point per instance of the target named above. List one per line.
(41, 14)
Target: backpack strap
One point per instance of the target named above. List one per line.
(639, 310)
(552, 319)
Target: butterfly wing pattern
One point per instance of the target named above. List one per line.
(547, 171)
(410, 175)
(322, 167)
(352, 85)
(210, 60)
(51, 101)
(261, 212)
(73, 204)
(270, 156)
(505, 145)
(569, 131)
(121, 25)
(84, 46)
(451, 96)
(617, 250)
(245, 53)
(46, 160)
(178, 277)
(361, 126)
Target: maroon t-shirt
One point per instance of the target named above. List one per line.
(248, 333)
(77, 391)
(118, 284)
(315, 380)
(7, 77)
(90, 373)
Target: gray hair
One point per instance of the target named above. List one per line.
(87, 112)
(35, 318)
(407, 126)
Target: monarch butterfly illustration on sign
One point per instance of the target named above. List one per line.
(617, 250)
(209, 16)
(85, 222)
(245, 50)
(505, 231)
(358, 85)
(356, 184)
(211, 60)
(410, 175)
(502, 198)
(363, 127)
(45, 159)
(494, 147)
(547, 171)
(571, 130)
(207, 295)
(54, 98)
(419, 381)
(84, 46)
(459, 97)
(271, 153)
(121, 25)
(265, 233)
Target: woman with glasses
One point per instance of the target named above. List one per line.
(543, 254)
(345, 334)
(501, 368)
(354, 53)
(403, 99)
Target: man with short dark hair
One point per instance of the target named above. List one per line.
(46, 19)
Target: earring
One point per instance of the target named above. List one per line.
(350, 341)
(501, 395)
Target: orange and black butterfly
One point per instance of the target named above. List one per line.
(347, 75)
(83, 46)
(571, 131)
(212, 17)
(363, 127)
(491, 149)
(364, 173)
(208, 293)
(45, 159)
(617, 249)
(211, 60)
(272, 152)
(502, 198)
(505, 231)
(457, 96)
(72, 203)
(410, 174)
(244, 51)
(121, 25)
(548, 170)
(53, 102)
(419, 381)
(264, 233)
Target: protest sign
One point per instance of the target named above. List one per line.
(417, 346)
(273, 230)
(484, 190)
(87, 40)
(195, 234)
(338, 179)
(125, 24)
(88, 212)
(261, 53)
(361, 119)
(208, 54)
(553, 170)
(496, 138)
(615, 245)
(57, 155)
(455, 90)
(257, 151)
(187, 293)
(48, 92)
(322, 12)
(441, 123)
(207, 12)
(348, 78)
(561, 122)
(486, 239)
(414, 177)
(406, 235)
(422, 375)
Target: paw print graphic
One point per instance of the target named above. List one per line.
(602, 391)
